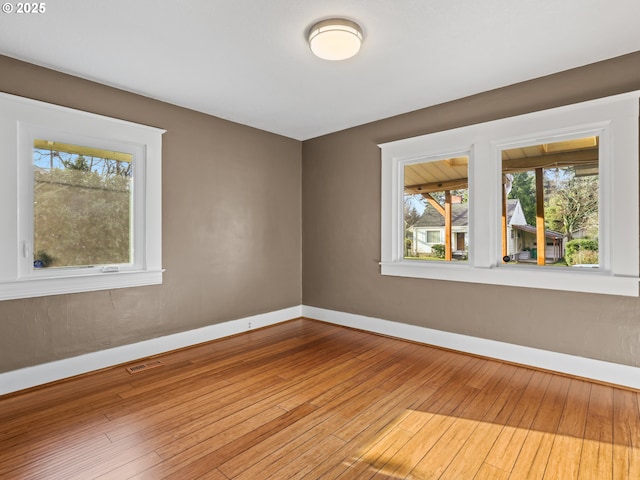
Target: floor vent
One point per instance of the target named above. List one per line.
(141, 367)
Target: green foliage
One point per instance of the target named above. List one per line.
(582, 244)
(523, 188)
(437, 250)
(77, 163)
(581, 251)
(574, 206)
(584, 257)
(571, 203)
(81, 217)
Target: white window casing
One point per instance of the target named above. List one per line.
(21, 121)
(613, 119)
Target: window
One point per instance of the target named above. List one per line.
(81, 201)
(436, 205)
(551, 200)
(550, 194)
(433, 236)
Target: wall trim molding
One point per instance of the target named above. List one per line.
(28, 377)
(587, 368)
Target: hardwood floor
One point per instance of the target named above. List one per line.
(308, 400)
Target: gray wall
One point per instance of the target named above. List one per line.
(231, 230)
(341, 233)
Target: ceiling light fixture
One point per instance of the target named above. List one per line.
(335, 39)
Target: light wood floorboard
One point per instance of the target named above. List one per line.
(309, 400)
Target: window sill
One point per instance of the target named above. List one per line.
(93, 281)
(585, 280)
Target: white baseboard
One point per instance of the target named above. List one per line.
(49, 372)
(598, 370)
(588, 368)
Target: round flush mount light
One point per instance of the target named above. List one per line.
(335, 39)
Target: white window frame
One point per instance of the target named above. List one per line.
(614, 119)
(21, 121)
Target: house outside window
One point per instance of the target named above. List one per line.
(436, 203)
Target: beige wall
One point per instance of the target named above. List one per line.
(232, 214)
(341, 233)
(231, 230)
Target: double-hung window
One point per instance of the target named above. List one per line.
(543, 200)
(80, 201)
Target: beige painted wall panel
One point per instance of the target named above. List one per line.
(231, 230)
(341, 233)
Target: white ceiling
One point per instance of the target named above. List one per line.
(248, 60)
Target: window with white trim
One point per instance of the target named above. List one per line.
(549, 194)
(80, 201)
(436, 204)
